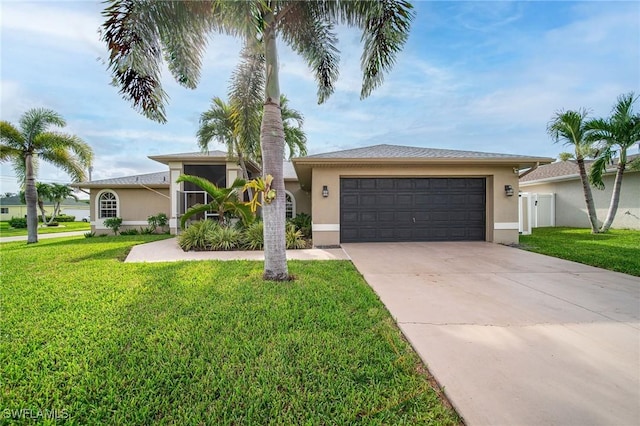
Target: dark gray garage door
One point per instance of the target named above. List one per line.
(412, 209)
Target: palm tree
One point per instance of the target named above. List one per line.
(569, 126)
(57, 194)
(621, 130)
(44, 192)
(141, 34)
(32, 141)
(223, 200)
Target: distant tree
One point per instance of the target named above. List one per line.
(569, 126)
(30, 141)
(44, 191)
(57, 194)
(613, 135)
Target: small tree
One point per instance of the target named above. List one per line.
(223, 200)
(57, 194)
(621, 130)
(114, 224)
(569, 126)
(158, 221)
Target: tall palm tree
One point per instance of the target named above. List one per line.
(621, 130)
(30, 141)
(141, 34)
(57, 194)
(569, 126)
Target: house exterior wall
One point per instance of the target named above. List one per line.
(501, 210)
(135, 205)
(302, 198)
(570, 207)
(21, 211)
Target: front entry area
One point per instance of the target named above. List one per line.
(412, 209)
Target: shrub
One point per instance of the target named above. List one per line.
(59, 218)
(18, 222)
(53, 224)
(89, 234)
(225, 238)
(158, 221)
(113, 223)
(253, 236)
(294, 238)
(197, 235)
(302, 222)
(131, 231)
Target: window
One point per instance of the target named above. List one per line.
(107, 205)
(290, 205)
(4, 210)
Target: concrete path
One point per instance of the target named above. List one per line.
(44, 236)
(515, 338)
(169, 251)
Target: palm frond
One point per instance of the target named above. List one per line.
(38, 120)
(569, 127)
(384, 34)
(66, 161)
(308, 31)
(209, 187)
(216, 124)
(194, 210)
(599, 167)
(10, 138)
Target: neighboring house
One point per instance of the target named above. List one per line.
(553, 196)
(377, 193)
(13, 207)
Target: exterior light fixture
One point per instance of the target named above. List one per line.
(325, 191)
(508, 190)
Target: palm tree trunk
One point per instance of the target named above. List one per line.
(31, 198)
(615, 198)
(245, 172)
(272, 145)
(42, 210)
(588, 197)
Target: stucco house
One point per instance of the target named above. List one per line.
(552, 195)
(13, 207)
(374, 194)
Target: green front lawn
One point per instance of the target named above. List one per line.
(617, 250)
(200, 342)
(6, 231)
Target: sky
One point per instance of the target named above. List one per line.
(478, 76)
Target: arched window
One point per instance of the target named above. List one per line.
(290, 205)
(107, 205)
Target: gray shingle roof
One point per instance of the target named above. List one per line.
(562, 169)
(149, 179)
(396, 151)
(288, 171)
(14, 200)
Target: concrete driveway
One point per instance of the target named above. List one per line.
(515, 338)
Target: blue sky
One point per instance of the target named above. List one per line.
(481, 76)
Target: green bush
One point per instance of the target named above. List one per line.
(158, 221)
(197, 235)
(225, 238)
(18, 222)
(294, 238)
(53, 224)
(302, 222)
(113, 223)
(60, 218)
(253, 236)
(89, 234)
(131, 231)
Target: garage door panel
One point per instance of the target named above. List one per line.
(412, 209)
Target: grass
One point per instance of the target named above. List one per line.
(617, 250)
(6, 231)
(102, 341)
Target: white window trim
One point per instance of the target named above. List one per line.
(293, 204)
(97, 202)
